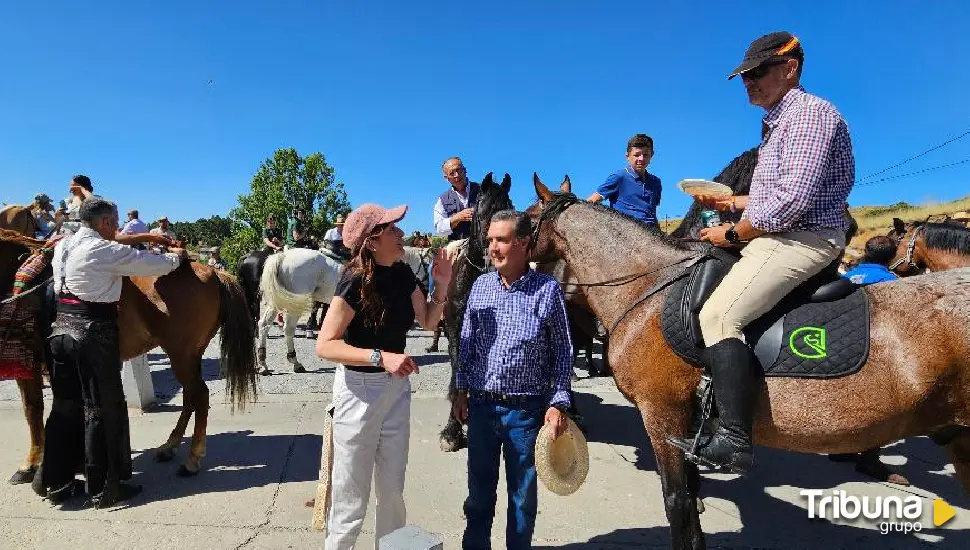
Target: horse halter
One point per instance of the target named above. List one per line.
(910, 248)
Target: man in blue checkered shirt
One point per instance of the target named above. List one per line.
(514, 371)
(794, 224)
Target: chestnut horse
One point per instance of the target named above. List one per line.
(933, 246)
(179, 312)
(908, 386)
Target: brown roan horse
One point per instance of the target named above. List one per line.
(909, 385)
(929, 246)
(179, 312)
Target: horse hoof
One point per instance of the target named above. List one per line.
(299, 369)
(450, 445)
(185, 472)
(165, 455)
(265, 372)
(23, 476)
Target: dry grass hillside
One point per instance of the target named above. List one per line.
(878, 220)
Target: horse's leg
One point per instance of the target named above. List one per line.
(452, 437)
(680, 483)
(32, 396)
(289, 332)
(196, 393)
(434, 338)
(263, 328)
(166, 452)
(958, 451)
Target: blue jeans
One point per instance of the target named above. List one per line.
(495, 428)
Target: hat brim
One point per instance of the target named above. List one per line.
(747, 65)
(562, 464)
(392, 215)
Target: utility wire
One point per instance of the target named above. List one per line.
(944, 144)
(930, 169)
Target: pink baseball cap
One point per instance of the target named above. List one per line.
(361, 222)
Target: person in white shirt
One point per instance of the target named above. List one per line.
(88, 423)
(134, 225)
(164, 229)
(454, 208)
(333, 239)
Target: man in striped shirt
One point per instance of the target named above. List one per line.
(514, 372)
(793, 223)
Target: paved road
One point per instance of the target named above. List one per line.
(262, 465)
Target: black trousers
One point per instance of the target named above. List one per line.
(88, 424)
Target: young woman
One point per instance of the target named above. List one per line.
(365, 330)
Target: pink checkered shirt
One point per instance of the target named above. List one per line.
(805, 167)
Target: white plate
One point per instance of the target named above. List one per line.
(696, 187)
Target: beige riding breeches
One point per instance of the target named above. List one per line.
(770, 267)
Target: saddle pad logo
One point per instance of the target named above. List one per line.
(808, 343)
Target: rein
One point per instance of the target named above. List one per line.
(910, 248)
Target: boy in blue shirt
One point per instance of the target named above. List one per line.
(633, 190)
(874, 267)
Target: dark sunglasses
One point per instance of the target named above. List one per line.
(763, 69)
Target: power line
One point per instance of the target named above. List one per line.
(944, 144)
(930, 169)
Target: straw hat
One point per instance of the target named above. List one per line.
(963, 215)
(562, 464)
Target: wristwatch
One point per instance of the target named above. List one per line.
(376, 360)
(731, 235)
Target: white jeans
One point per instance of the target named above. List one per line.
(371, 432)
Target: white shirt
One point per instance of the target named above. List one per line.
(134, 227)
(333, 234)
(96, 265)
(167, 232)
(442, 222)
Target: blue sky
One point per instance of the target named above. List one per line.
(171, 107)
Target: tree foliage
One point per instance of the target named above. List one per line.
(284, 182)
(212, 231)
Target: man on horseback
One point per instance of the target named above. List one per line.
(454, 208)
(633, 190)
(793, 224)
(89, 418)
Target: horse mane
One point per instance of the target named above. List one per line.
(949, 237)
(561, 201)
(736, 175)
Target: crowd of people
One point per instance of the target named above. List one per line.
(515, 364)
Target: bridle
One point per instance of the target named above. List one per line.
(910, 248)
(555, 208)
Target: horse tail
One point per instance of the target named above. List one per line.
(277, 296)
(237, 352)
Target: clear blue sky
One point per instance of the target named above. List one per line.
(387, 90)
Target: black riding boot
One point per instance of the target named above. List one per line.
(732, 373)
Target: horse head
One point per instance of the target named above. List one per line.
(492, 198)
(543, 212)
(909, 238)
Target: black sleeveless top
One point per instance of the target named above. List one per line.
(394, 284)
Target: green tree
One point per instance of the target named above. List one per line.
(284, 182)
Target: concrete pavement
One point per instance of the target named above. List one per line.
(262, 465)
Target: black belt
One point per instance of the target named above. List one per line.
(366, 370)
(69, 303)
(517, 399)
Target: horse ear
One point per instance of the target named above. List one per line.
(899, 226)
(567, 185)
(487, 180)
(544, 194)
(507, 182)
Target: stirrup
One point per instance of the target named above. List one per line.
(705, 391)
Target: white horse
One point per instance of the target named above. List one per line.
(291, 282)
(419, 260)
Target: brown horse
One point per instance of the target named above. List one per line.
(908, 386)
(933, 246)
(179, 312)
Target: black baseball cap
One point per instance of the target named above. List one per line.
(782, 44)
